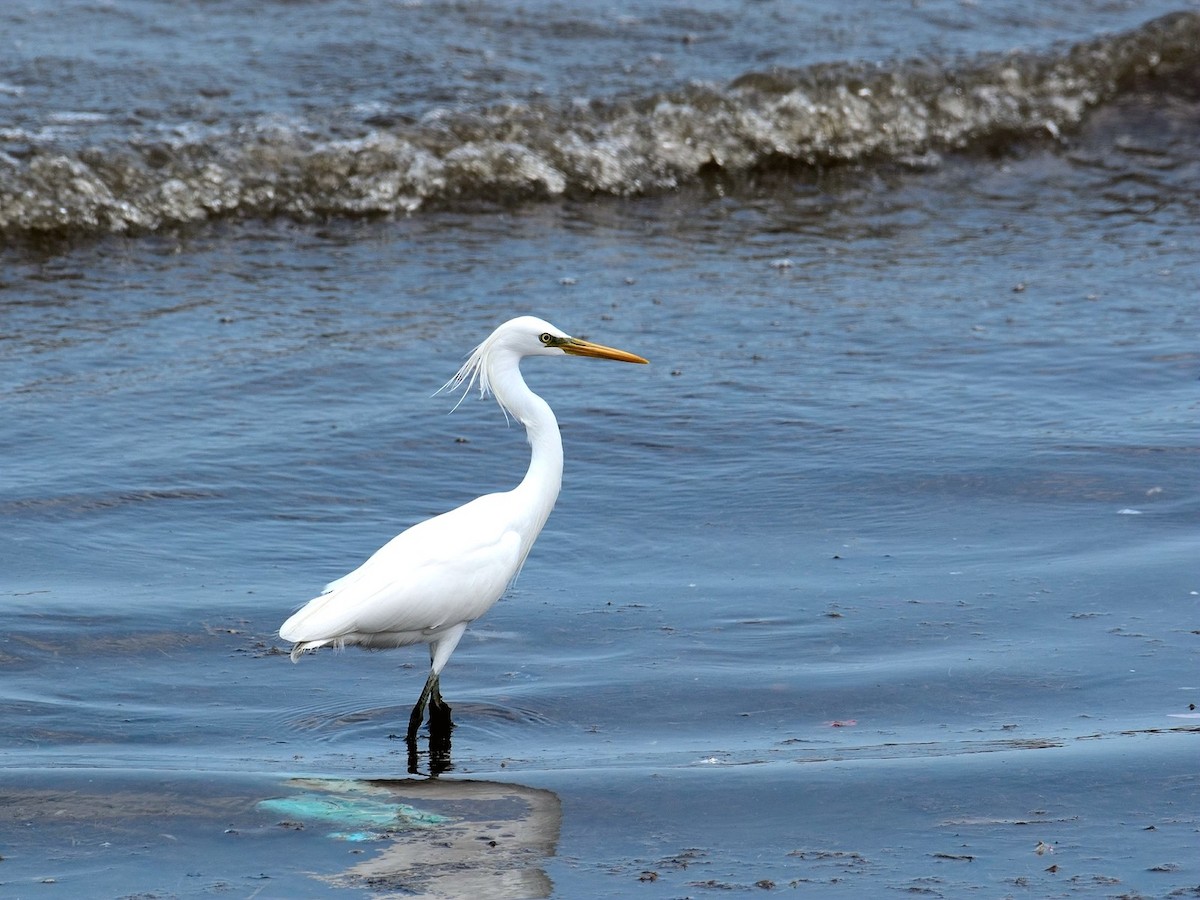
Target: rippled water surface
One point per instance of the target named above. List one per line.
(883, 575)
(173, 116)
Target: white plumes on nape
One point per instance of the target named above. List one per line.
(472, 371)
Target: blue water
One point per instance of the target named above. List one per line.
(883, 575)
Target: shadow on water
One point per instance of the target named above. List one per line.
(443, 838)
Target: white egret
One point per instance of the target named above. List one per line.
(429, 583)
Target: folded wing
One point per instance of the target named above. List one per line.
(443, 571)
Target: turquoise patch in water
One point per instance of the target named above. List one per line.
(357, 836)
(353, 813)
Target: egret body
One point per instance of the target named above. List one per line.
(427, 584)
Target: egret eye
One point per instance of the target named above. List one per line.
(546, 338)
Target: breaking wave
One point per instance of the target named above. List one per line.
(907, 114)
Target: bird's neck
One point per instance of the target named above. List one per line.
(544, 476)
(539, 488)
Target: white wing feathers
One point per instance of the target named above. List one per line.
(443, 571)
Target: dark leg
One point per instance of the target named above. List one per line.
(439, 710)
(439, 729)
(439, 733)
(418, 711)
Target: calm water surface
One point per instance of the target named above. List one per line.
(883, 575)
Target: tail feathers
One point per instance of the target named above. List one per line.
(299, 649)
(303, 633)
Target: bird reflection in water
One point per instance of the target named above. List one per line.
(438, 757)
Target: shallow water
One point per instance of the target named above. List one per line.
(882, 575)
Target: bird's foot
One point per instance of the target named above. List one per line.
(440, 726)
(439, 715)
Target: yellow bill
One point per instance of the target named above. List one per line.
(580, 347)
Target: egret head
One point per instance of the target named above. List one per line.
(520, 337)
(525, 336)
